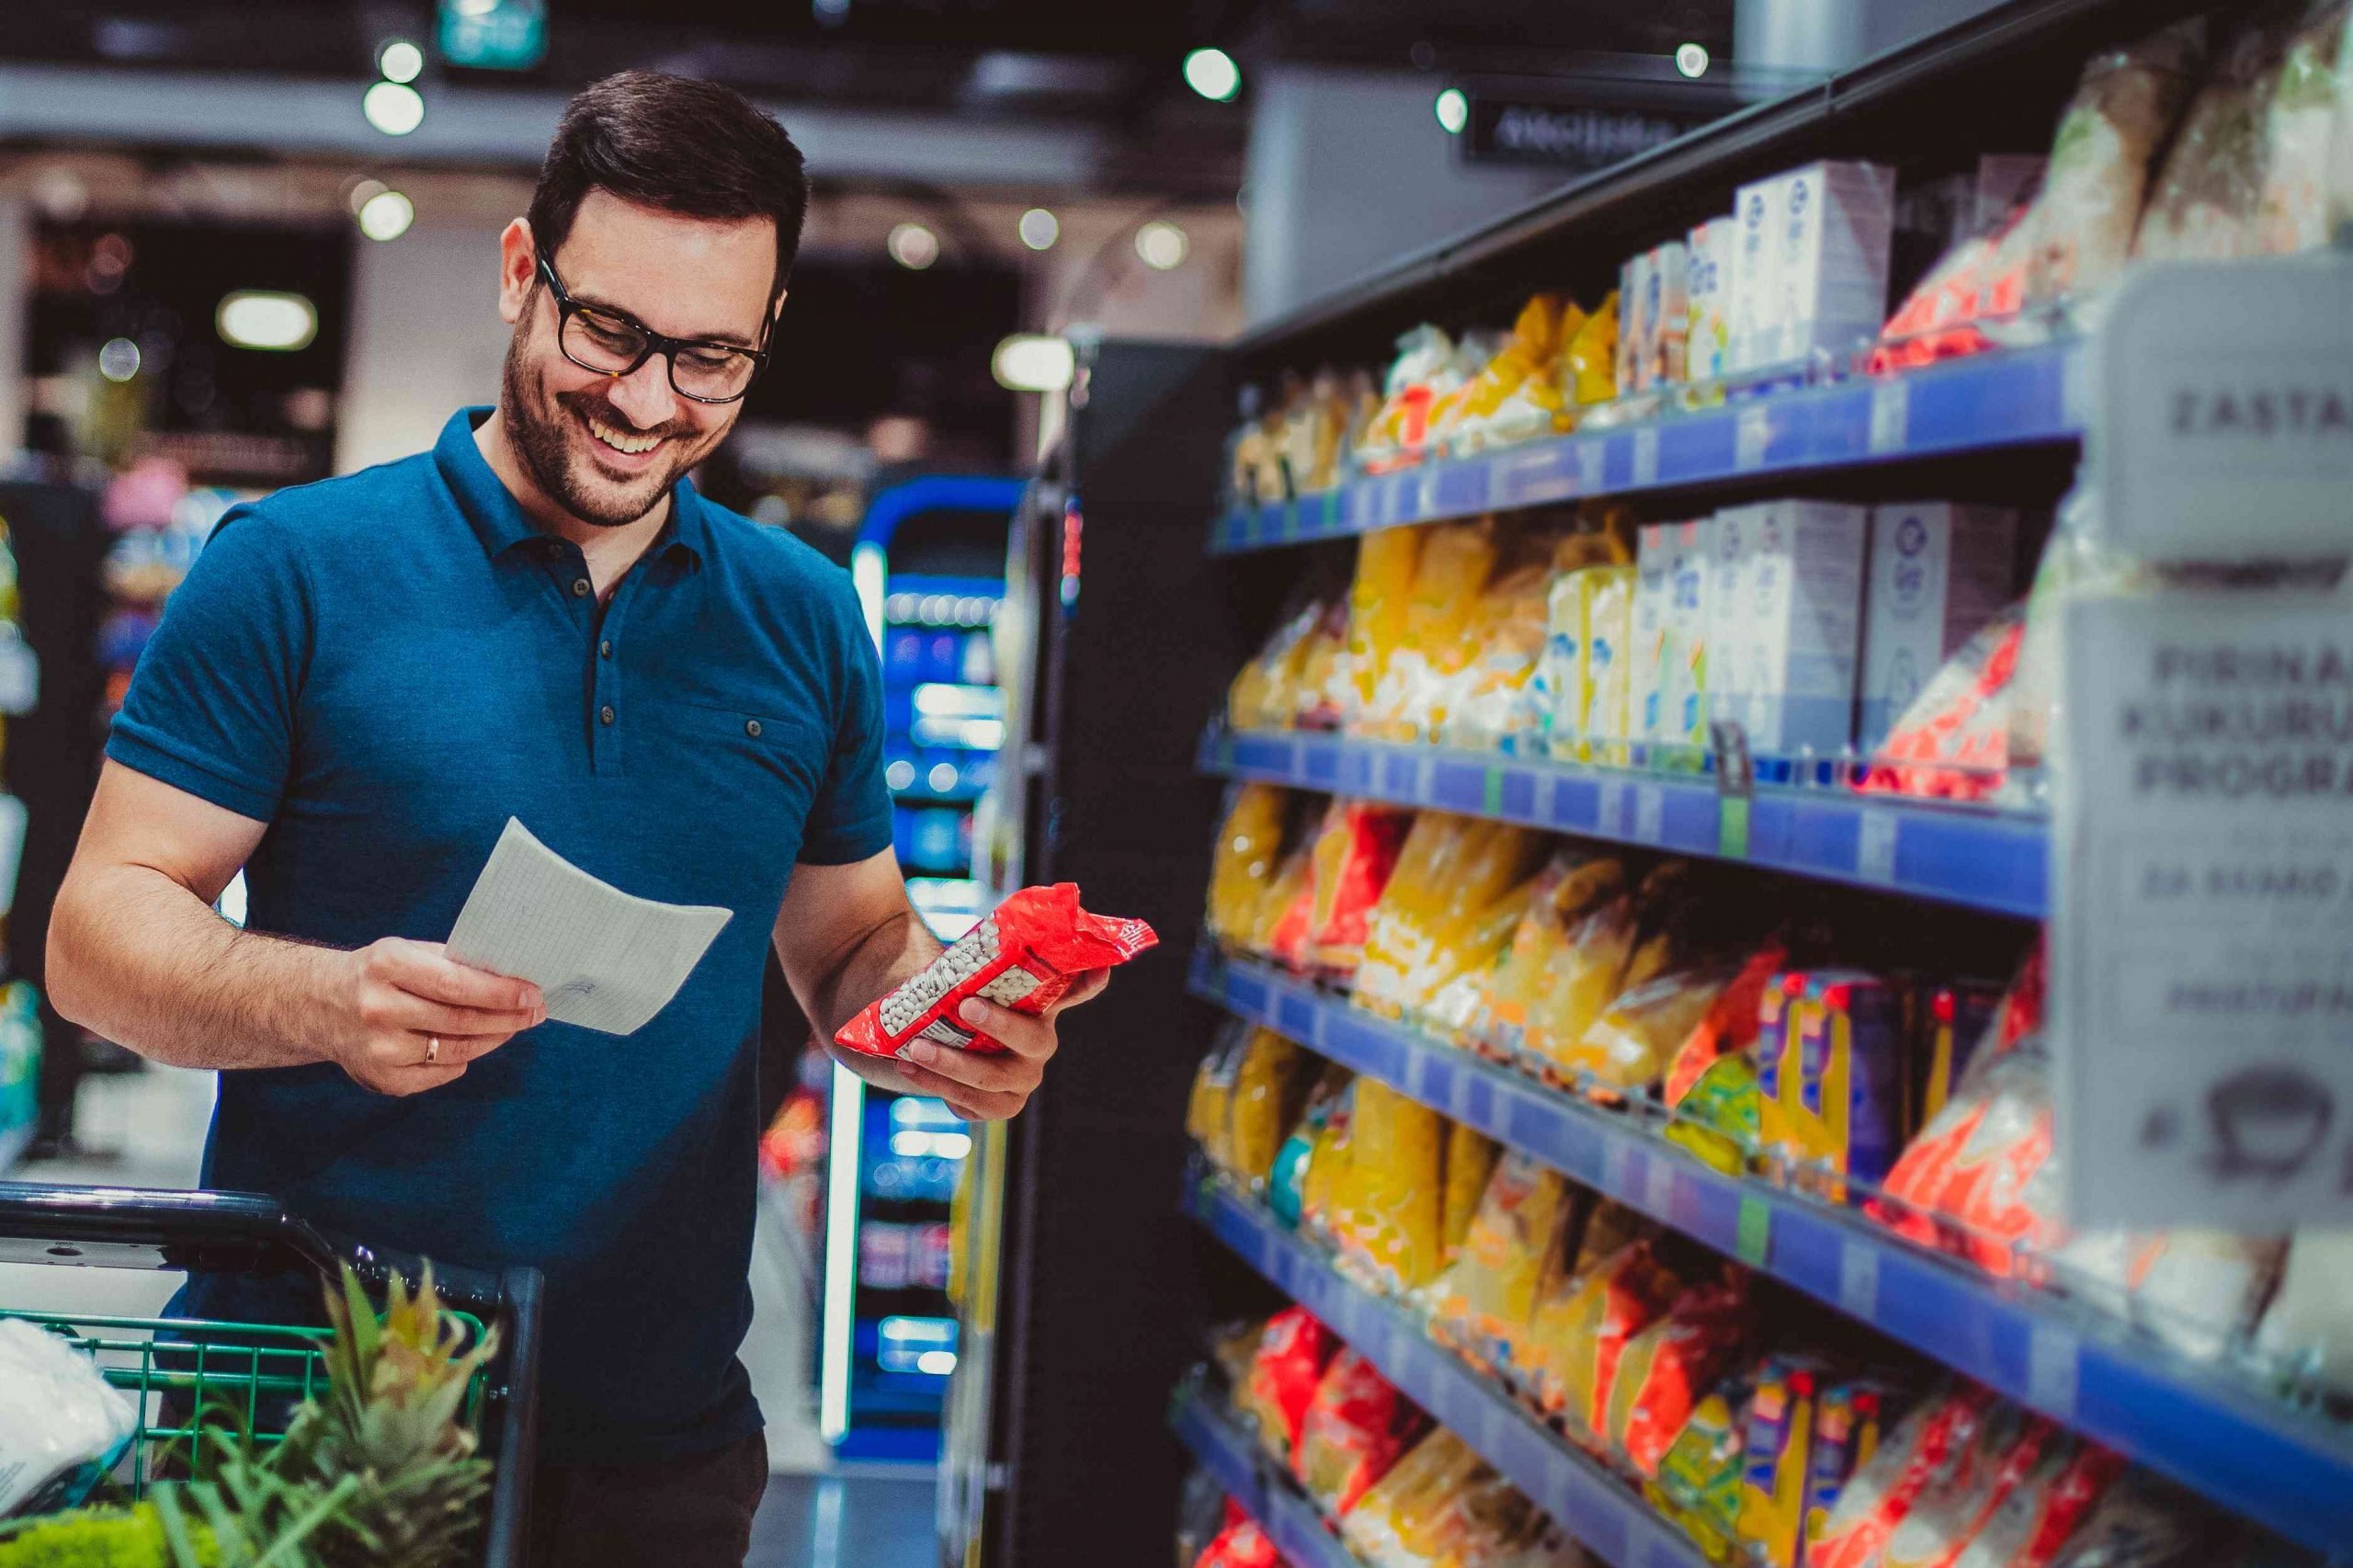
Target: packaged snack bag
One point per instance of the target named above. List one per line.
(1984, 1167)
(1953, 741)
(1580, 1338)
(1847, 1426)
(1208, 1115)
(1778, 1442)
(1483, 685)
(1249, 845)
(1269, 1079)
(1533, 347)
(1958, 1017)
(1425, 370)
(1488, 1293)
(1718, 1119)
(1957, 1503)
(1241, 1545)
(1435, 1468)
(2029, 1526)
(1839, 1104)
(1883, 1492)
(1352, 858)
(1569, 886)
(1471, 1157)
(1326, 1183)
(1287, 1183)
(1730, 1026)
(2310, 101)
(1590, 364)
(1669, 1365)
(1458, 889)
(1387, 561)
(1399, 1186)
(1023, 956)
(1287, 910)
(2142, 1521)
(2082, 225)
(1293, 1350)
(1589, 967)
(1352, 1431)
(1698, 1482)
(1457, 559)
(1630, 1045)
(2203, 207)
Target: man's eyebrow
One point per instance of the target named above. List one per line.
(729, 338)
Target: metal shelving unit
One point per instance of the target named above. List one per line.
(2026, 397)
(2208, 1429)
(1583, 1498)
(1984, 858)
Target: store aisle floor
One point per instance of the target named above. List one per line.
(855, 1521)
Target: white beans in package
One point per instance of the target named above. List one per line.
(61, 1424)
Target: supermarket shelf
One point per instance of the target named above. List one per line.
(1251, 1479)
(2014, 398)
(2286, 1469)
(1984, 859)
(1614, 1524)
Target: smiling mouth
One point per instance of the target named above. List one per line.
(627, 442)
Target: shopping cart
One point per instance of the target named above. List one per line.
(179, 1370)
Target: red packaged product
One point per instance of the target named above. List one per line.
(2030, 1526)
(1355, 1427)
(1024, 956)
(1293, 1350)
(1241, 1545)
(1922, 1452)
(1354, 855)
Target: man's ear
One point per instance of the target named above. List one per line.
(519, 262)
(778, 308)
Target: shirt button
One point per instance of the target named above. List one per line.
(606, 715)
(580, 587)
(751, 728)
(605, 648)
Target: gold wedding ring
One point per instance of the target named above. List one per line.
(432, 1049)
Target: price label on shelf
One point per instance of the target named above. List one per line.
(1590, 453)
(1646, 454)
(1891, 415)
(1858, 1277)
(2202, 933)
(1650, 813)
(1875, 846)
(1752, 1242)
(2050, 1370)
(1752, 434)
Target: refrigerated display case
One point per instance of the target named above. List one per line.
(1141, 586)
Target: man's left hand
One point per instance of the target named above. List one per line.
(992, 1087)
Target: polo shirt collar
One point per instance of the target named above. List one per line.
(499, 521)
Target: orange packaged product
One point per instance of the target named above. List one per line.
(1730, 1026)
(1922, 1452)
(1351, 861)
(1354, 1429)
(1293, 1350)
(1025, 957)
(1669, 1367)
(1580, 1338)
(2027, 1528)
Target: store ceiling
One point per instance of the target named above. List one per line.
(1111, 71)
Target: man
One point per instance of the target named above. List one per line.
(362, 679)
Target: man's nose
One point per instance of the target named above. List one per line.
(645, 394)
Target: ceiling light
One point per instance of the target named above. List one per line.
(1033, 362)
(1040, 229)
(362, 192)
(1212, 74)
(401, 61)
(118, 360)
(913, 246)
(393, 107)
(1162, 245)
(386, 215)
(264, 318)
(1691, 59)
(1453, 111)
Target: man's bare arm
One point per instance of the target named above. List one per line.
(137, 954)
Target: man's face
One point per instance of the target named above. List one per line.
(607, 447)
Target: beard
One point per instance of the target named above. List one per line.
(551, 435)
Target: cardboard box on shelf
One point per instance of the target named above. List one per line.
(1939, 571)
(1667, 316)
(1683, 711)
(1836, 223)
(1755, 290)
(1803, 583)
(1711, 250)
(1646, 636)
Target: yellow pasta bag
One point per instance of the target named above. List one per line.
(1630, 1045)
(1574, 989)
(1399, 1188)
(1570, 884)
(1263, 696)
(1471, 1157)
(1268, 1080)
(1430, 1472)
(1484, 1299)
(1591, 362)
(1331, 1160)
(1278, 925)
(1387, 561)
(1456, 562)
(1249, 845)
(1579, 1336)
(1428, 949)
(1483, 681)
(1208, 1118)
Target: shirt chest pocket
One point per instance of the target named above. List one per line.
(742, 759)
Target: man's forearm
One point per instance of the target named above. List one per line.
(879, 961)
(140, 959)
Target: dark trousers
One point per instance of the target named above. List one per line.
(690, 1512)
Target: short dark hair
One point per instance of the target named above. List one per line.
(685, 146)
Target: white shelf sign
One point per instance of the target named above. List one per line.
(2203, 940)
(2224, 429)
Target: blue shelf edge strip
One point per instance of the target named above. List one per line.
(2285, 1469)
(2012, 398)
(1226, 1451)
(1982, 860)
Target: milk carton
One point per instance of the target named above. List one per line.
(1667, 316)
(1802, 579)
(1606, 603)
(1646, 633)
(1755, 293)
(1711, 252)
(1939, 571)
(1836, 223)
(1729, 684)
(1684, 711)
(1637, 330)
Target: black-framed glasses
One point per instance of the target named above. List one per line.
(613, 344)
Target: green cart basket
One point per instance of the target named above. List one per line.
(175, 1368)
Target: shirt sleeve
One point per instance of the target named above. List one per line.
(850, 820)
(211, 708)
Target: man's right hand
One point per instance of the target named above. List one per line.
(391, 999)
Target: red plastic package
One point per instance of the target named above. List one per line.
(1240, 1545)
(1355, 1427)
(1922, 1453)
(1024, 956)
(1293, 1350)
(1354, 855)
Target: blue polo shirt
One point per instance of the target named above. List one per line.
(384, 668)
